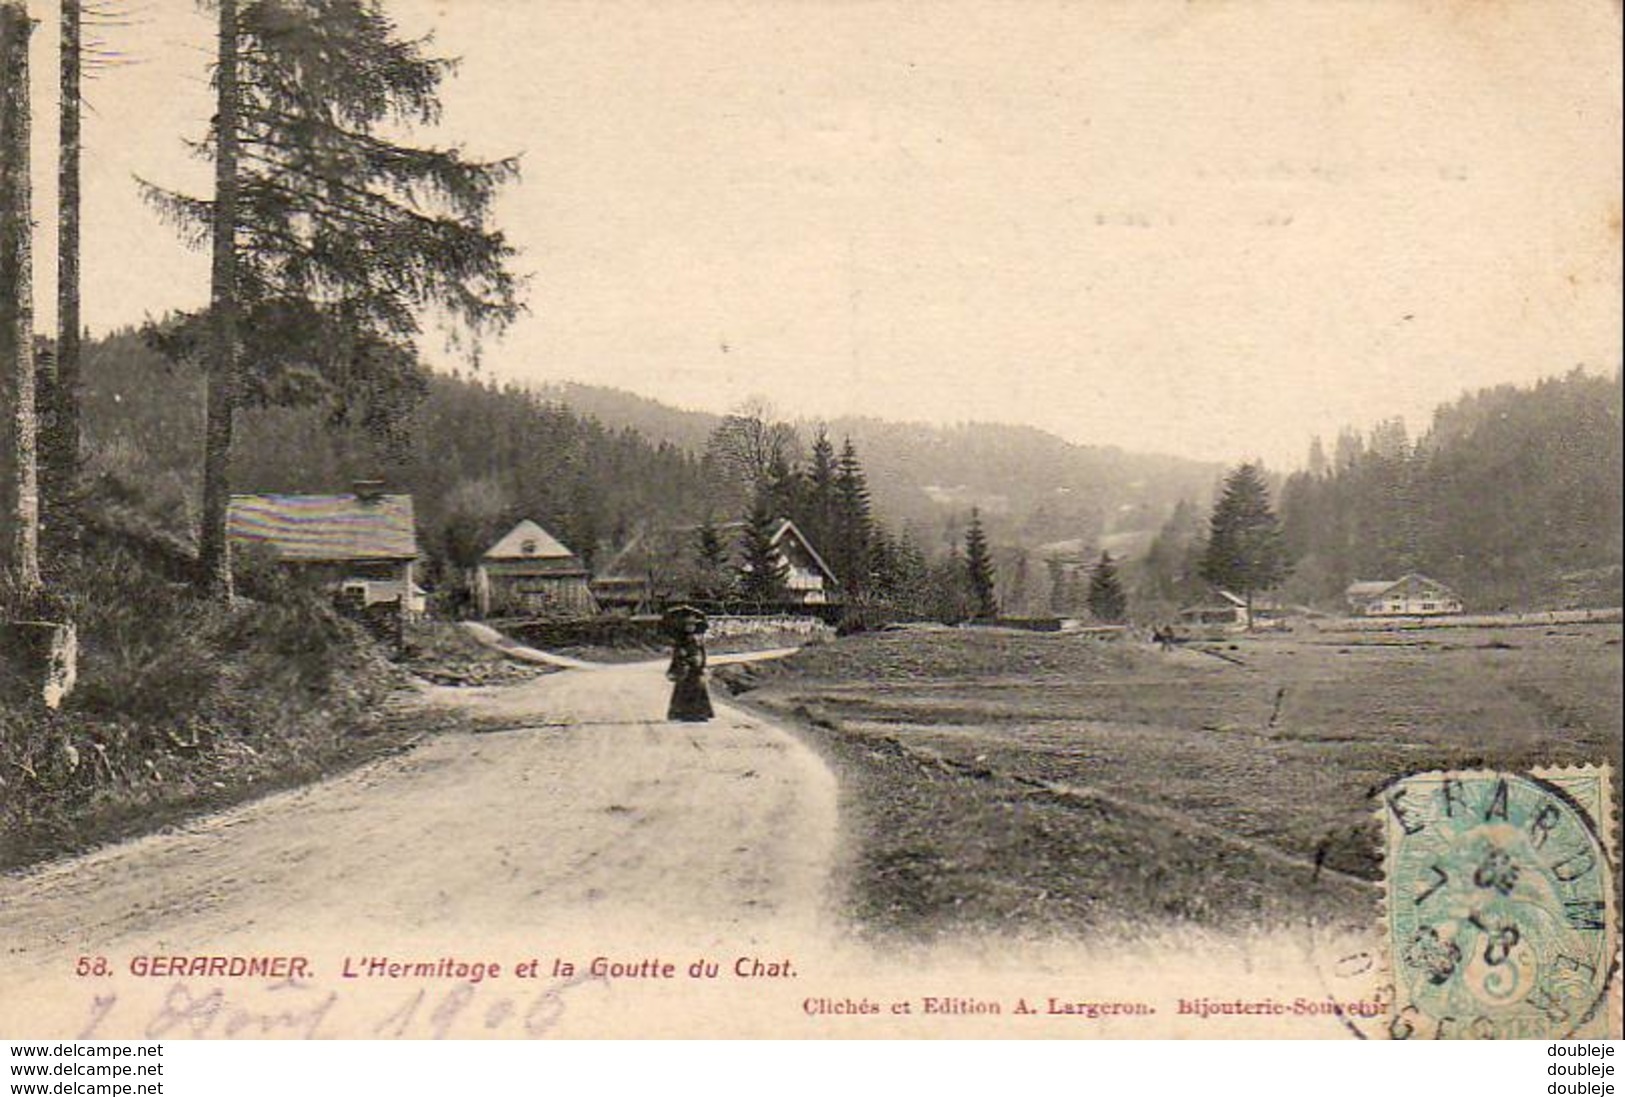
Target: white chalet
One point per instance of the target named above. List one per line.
(1411, 595)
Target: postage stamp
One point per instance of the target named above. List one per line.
(1499, 917)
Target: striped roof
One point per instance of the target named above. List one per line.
(319, 528)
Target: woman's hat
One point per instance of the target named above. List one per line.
(684, 617)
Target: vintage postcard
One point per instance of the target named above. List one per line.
(806, 519)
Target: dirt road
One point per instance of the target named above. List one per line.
(585, 811)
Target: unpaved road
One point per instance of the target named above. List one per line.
(585, 812)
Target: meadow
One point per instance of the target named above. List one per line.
(1057, 783)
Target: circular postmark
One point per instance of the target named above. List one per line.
(1498, 922)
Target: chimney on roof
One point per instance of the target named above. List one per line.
(369, 491)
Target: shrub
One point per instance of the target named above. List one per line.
(181, 700)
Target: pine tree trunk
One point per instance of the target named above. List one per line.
(214, 556)
(16, 278)
(62, 448)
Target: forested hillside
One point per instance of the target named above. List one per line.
(591, 464)
(1512, 496)
(476, 456)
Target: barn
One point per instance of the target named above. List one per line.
(365, 541)
(1411, 595)
(530, 573)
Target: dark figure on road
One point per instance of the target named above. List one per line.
(690, 701)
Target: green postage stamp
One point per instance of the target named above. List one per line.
(1499, 914)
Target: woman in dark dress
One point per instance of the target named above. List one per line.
(690, 701)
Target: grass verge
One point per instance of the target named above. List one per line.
(186, 705)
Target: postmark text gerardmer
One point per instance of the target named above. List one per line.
(1498, 917)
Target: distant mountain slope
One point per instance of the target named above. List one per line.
(1032, 487)
(618, 408)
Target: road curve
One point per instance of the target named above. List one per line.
(584, 812)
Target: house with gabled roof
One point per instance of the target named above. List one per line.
(1411, 595)
(530, 573)
(364, 541)
(1229, 610)
(660, 565)
(808, 578)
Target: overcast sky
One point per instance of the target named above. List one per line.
(1209, 228)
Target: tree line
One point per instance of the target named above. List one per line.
(476, 455)
(330, 238)
(479, 455)
(767, 473)
(1511, 497)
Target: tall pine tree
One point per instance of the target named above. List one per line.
(762, 571)
(1107, 602)
(979, 571)
(329, 237)
(1246, 552)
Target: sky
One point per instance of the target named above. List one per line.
(1212, 228)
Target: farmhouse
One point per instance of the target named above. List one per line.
(662, 565)
(363, 545)
(808, 579)
(1410, 595)
(529, 572)
(1230, 611)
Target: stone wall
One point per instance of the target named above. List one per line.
(731, 627)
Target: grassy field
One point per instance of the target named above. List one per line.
(1053, 783)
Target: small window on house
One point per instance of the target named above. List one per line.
(528, 546)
